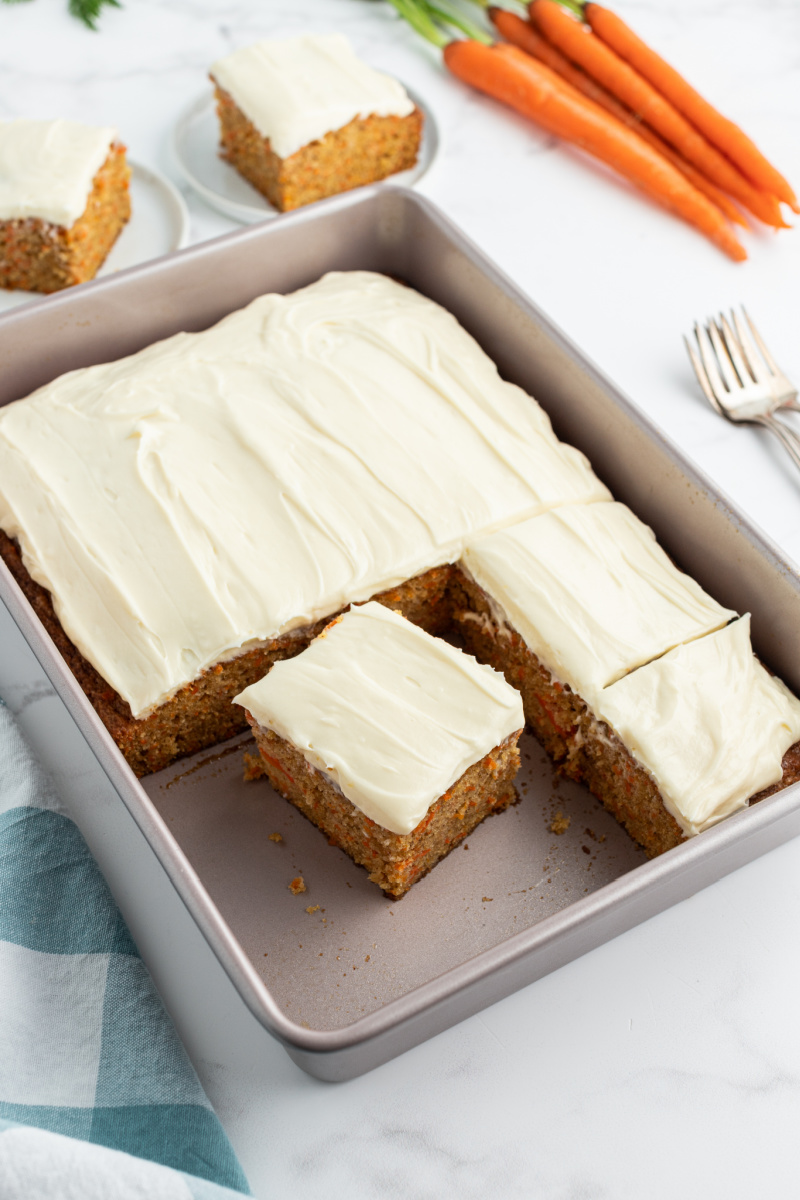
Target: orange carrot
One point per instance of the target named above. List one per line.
(516, 79)
(584, 48)
(521, 33)
(721, 132)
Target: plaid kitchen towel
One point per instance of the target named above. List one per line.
(86, 1047)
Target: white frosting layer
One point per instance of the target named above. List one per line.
(296, 91)
(591, 592)
(47, 168)
(709, 724)
(219, 488)
(389, 713)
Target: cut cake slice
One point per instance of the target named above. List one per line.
(394, 743)
(304, 118)
(571, 600)
(64, 199)
(706, 728)
(572, 605)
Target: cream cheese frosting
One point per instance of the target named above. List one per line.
(47, 168)
(295, 91)
(392, 715)
(220, 488)
(591, 592)
(708, 722)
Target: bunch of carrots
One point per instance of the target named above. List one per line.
(586, 77)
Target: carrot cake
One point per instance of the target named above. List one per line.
(705, 729)
(589, 618)
(304, 118)
(186, 516)
(64, 198)
(394, 743)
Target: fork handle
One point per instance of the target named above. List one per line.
(788, 437)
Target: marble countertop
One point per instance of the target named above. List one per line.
(667, 1061)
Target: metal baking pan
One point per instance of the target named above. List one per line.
(359, 979)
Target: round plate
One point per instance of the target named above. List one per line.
(196, 147)
(159, 224)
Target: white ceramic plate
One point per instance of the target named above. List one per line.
(196, 147)
(159, 224)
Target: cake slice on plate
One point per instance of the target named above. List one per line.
(64, 199)
(304, 118)
(394, 743)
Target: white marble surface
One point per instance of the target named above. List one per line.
(668, 1061)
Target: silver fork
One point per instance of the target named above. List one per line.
(740, 378)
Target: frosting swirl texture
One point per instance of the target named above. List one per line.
(220, 488)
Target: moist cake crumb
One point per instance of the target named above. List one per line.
(254, 769)
(560, 824)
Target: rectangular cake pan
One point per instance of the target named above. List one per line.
(343, 977)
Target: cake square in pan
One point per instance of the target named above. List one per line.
(393, 742)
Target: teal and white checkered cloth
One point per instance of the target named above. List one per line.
(92, 1072)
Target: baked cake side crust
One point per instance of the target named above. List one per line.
(583, 747)
(203, 713)
(394, 861)
(37, 256)
(364, 151)
(552, 710)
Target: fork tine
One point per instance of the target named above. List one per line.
(765, 354)
(734, 349)
(723, 358)
(710, 364)
(756, 364)
(702, 378)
